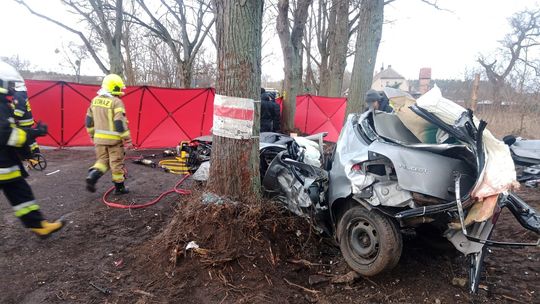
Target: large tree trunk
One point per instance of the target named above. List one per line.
(367, 45)
(235, 163)
(291, 46)
(112, 38)
(115, 59)
(338, 48)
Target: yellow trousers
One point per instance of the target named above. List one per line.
(111, 157)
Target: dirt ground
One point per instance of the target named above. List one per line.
(271, 257)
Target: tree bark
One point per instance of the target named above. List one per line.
(309, 84)
(367, 46)
(187, 74)
(291, 46)
(234, 171)
(130, 73)
(338, 48)
(324, 33)
(111, 39)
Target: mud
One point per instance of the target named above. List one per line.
(247, 254)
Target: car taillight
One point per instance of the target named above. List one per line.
(357, 167)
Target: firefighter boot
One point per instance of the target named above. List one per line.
(92, 178)
(119, 188)
(47, 228)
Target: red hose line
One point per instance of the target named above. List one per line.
(150, 203)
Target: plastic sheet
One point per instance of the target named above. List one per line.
(498, 174)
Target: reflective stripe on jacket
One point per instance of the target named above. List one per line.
(12, 141)
(106, 121)
(22, 110)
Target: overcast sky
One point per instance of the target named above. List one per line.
(415, 35)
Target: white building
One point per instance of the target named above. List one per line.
(389, 78)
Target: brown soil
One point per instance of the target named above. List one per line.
(253, 254)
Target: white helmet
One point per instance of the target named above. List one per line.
(20, 86)
(9, 78)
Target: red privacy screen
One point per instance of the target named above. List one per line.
(159, 117)
(316, 114)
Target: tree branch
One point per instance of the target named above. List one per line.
(86, 42)
(434, 4)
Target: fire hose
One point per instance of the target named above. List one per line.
(175, 189)
(175, 166)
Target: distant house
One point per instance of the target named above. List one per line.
(389, 78)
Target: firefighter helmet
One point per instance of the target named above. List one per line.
(8, 78)
(113, 84)
(20, 86)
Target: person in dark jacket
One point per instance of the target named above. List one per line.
(23, 112)
(14, 142)
(277, 113)
(378, 101)
(270, 113)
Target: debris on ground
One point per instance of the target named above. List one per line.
(202, 173)
(251, 249)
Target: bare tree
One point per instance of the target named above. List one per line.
(131, 44)
(184, 27)
(524, 35)
(17, 62)
(235, 162)
(334, 31)
(331, 25)
(205, 69)
(73, 55)
(290, 38)
(311, 84)
(367, 46)
(321, 19)
(105, 19)
(338, 42)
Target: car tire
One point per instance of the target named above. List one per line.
(369, 241)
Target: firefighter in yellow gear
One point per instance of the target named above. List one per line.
(106, 124)
(15, 141)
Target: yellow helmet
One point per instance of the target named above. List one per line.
(113, 84)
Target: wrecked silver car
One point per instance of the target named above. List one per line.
(385, 177)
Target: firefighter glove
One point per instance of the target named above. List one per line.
(41, 129)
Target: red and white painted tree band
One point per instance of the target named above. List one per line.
(233, 117)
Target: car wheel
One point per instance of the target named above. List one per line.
(369, 241)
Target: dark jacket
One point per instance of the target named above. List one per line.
(13, 142)
(384, 105)
(22, 111)
(270, 114)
